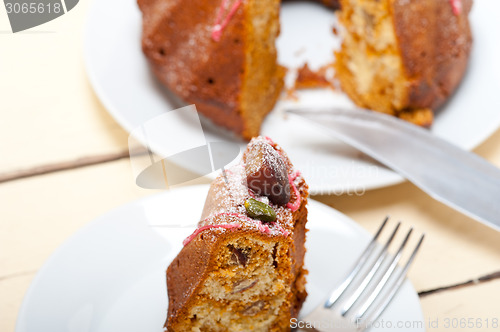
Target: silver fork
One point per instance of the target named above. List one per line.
(366, 291)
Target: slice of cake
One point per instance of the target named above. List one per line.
(403, 57)
(219, 55)
(242, 268)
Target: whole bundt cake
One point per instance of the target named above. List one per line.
(403, 57)
(243, 267)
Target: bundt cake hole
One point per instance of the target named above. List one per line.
(254, 308)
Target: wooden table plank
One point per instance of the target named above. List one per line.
(39, 213)
(50, 113)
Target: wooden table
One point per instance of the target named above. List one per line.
(64, 162)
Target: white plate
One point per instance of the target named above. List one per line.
(121, 78)
(110, 276)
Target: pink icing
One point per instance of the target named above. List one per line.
(295, 206)
(263, 228)
(269, 229)
(220, 24)
(456, 5)
(226, 226)
(269, 140)
(283, 231)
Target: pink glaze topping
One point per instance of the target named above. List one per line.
(221, 23)
(295, 206)
(225, 226)
(456, 5)
(264, 228)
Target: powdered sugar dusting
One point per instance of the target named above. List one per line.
(269, 156)
(203, 228)
(221, 24)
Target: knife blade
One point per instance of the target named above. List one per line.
(449, 174)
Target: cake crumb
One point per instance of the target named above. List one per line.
(309, 79)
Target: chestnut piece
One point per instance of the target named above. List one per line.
(267, 173)
(238, 256)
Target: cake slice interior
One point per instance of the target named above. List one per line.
(243, 267)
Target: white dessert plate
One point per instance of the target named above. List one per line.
(121, 78)
(110, 276)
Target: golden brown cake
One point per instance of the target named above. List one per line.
(312, 79)
(242, 268)
(403, 57)
(219, 55)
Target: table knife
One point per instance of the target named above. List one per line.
(449, 174)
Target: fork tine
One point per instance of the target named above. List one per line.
(394, 289)
(370, 274)
(381, 282)
(337, 293)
